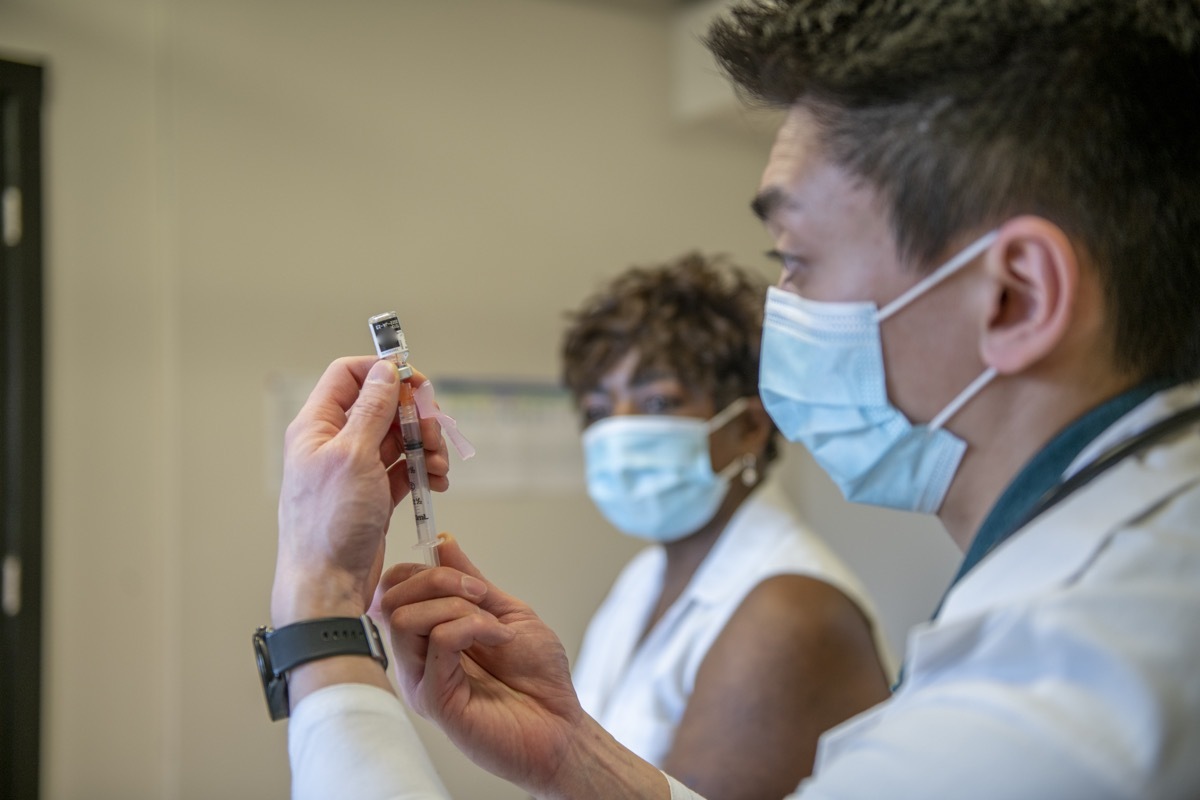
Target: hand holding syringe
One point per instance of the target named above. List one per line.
(390, 344)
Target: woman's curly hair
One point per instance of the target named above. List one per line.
(698, 318)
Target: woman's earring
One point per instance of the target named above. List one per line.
(749, 469)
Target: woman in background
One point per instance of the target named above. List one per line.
(730, 644)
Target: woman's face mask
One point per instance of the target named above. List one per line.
(821, 379)
(651, 475)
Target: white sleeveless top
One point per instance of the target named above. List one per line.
(638, 693)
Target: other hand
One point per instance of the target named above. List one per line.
(485, 667)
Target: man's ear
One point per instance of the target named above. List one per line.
(1034, 269)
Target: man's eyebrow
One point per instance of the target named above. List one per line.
(765, 203)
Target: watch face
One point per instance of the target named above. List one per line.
(274, 688)
(260, 653)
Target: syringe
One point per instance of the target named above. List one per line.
(390, 344)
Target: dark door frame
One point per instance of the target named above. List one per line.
(21, 436)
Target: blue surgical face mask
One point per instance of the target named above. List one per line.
(821, 379)
(652, 477)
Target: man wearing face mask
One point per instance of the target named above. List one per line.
(738, 631)
(987, 216)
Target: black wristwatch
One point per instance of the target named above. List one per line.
(280, 650)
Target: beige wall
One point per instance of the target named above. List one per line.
(233, 187)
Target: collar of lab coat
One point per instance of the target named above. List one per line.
(1054, 548)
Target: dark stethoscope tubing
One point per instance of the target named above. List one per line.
(1111, 457)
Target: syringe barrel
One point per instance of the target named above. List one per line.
(418, 477)
(391, 344)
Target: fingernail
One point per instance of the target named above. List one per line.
(473, 586)
(382, 372)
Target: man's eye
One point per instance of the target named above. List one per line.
(789, 262)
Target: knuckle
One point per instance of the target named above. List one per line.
(295, 429)
(373, 404)
(447, 636)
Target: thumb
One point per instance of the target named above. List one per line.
(496, 601)
(451, 555)
(375, 409)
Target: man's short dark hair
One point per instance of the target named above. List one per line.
(964, 113)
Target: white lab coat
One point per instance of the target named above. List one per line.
(1067, 663)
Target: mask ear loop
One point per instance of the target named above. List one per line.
(723, 417)
(965, 256)
(720, 420)
(732, 468)
(973, 388)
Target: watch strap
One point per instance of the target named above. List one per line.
(301, 642)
